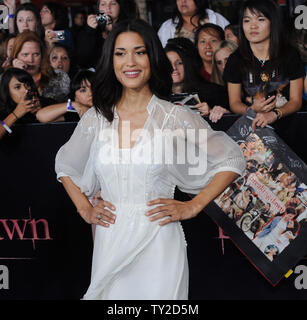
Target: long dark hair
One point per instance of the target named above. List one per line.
(107, 90)
(7, 105)
(190, 58)
(30, 7)
(278, 35)
(201, 12)
(59, 13)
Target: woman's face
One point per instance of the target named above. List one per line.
(208, 39)
(257, 28)
(9, 48)
(79, 19)
(230, 36)
(130, 61)
(84, 94)
(59, 59)
(46, 16)
(111, 8)
(177, 64)
(17, 89)
(186, 7)
(30, 54)
(221, 57)
(26, 20)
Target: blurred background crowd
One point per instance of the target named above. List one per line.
(49, 52)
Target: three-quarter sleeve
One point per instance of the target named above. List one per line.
(75, 160)
(206, 152)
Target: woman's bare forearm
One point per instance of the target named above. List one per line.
(79, 199)
(216, 186)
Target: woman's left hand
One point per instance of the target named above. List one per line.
(204, 108)
(36, 105)
(216, 113)
(11, 4)
(50, 36)
(174, 210)
(263, 118)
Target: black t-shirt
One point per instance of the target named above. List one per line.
(260, 82)
(213, 94)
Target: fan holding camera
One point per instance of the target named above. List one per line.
(107, 15)
(55, 22)
(99, 24)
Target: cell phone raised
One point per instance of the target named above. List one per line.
(271, 94)
(31, 94)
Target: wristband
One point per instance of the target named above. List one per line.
(69, 107)
(15, 115)
(278, 113)
(7, 128)
(11, 15)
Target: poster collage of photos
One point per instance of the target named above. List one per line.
(269, 202)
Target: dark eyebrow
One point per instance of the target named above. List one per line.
(136, 48)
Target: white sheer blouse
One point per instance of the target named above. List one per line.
(177, 144)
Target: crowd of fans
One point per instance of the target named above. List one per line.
(47, 62)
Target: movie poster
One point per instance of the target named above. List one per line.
(265, 211)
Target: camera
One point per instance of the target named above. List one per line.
(103, 19)
(59, 35)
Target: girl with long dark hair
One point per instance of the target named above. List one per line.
(16, 105)
(116, 149)
(265, 65)
(187, 79)
(27, 17)
(54, 17)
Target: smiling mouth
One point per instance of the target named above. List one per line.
(132, 74)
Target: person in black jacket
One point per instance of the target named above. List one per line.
(187, 79)
(90, 40)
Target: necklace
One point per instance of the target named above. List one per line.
(262, 62)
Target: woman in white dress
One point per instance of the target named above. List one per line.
(136, 147)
